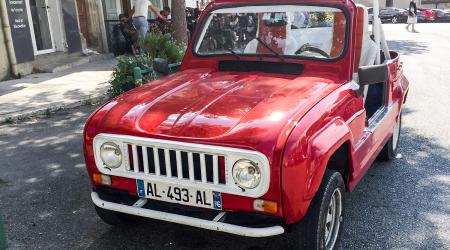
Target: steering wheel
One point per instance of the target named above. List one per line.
(308, 47)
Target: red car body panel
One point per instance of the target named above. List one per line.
(298, 121)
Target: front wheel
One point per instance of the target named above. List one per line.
(321, 227)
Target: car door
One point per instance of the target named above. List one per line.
(382, 120)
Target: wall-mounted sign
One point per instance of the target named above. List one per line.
(20, 30)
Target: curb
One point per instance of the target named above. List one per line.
(46, 110)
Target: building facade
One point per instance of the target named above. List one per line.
(41, 27)
(43, 31)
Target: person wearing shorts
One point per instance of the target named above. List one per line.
(412, 16)
(140, 15)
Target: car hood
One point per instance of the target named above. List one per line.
(200, 104)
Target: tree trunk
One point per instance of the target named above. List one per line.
(179, 21)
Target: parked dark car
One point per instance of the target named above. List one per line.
(393, 15)
(429, 14)
(442, 16)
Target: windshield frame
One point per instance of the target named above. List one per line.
(206, 17)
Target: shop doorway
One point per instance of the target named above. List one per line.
(40, 26)
(83, 19)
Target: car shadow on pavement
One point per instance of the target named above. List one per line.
(44, 194)
(399, 204)
(408, 47)
(404, 203)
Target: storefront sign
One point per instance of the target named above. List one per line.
(20, 30)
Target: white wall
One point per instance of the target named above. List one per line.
(57, 23)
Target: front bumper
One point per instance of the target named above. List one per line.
(215, 224)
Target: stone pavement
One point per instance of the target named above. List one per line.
(39, 94)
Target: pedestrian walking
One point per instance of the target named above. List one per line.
(412, 16)
(140, 15)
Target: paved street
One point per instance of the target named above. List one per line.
(44, 189)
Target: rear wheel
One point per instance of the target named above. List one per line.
(394, 20)
(389, 150)
(321, 227)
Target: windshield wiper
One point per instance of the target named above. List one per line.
(233, 53)
(269, 48)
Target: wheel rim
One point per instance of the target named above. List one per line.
(394, 20)
(396, 135)
(333, 219)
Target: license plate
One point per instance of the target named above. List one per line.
(181, 195)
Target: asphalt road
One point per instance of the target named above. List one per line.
(44, 189)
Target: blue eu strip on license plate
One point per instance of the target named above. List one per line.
(140, 188)
(217, 200)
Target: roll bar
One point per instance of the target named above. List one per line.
(378, 34)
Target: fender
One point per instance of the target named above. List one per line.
(304, 165)
(322, 146)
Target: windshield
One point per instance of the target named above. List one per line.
(277, 30)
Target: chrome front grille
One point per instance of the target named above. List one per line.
(183, 165)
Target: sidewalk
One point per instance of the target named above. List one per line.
(39, 94)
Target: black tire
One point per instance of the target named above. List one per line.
(115, 218)
(389, 150)
(309, 233)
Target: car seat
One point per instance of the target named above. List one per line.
(279, 38)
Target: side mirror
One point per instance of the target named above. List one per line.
(373, 74)
(161, 66)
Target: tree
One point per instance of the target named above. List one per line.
(179, 23)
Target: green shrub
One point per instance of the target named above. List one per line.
(158, 45)
(123, 78)
(155, 45)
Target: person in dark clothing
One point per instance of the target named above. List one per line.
(162, 24)
(130, 33)
(412, 16)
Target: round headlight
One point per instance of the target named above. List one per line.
(111, 155)
(246, 174)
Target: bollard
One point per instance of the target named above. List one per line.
(2, 234)
(138, 73)
(138, 78)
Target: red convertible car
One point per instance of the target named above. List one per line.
(278, 111)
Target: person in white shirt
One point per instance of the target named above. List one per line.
(140, 15)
